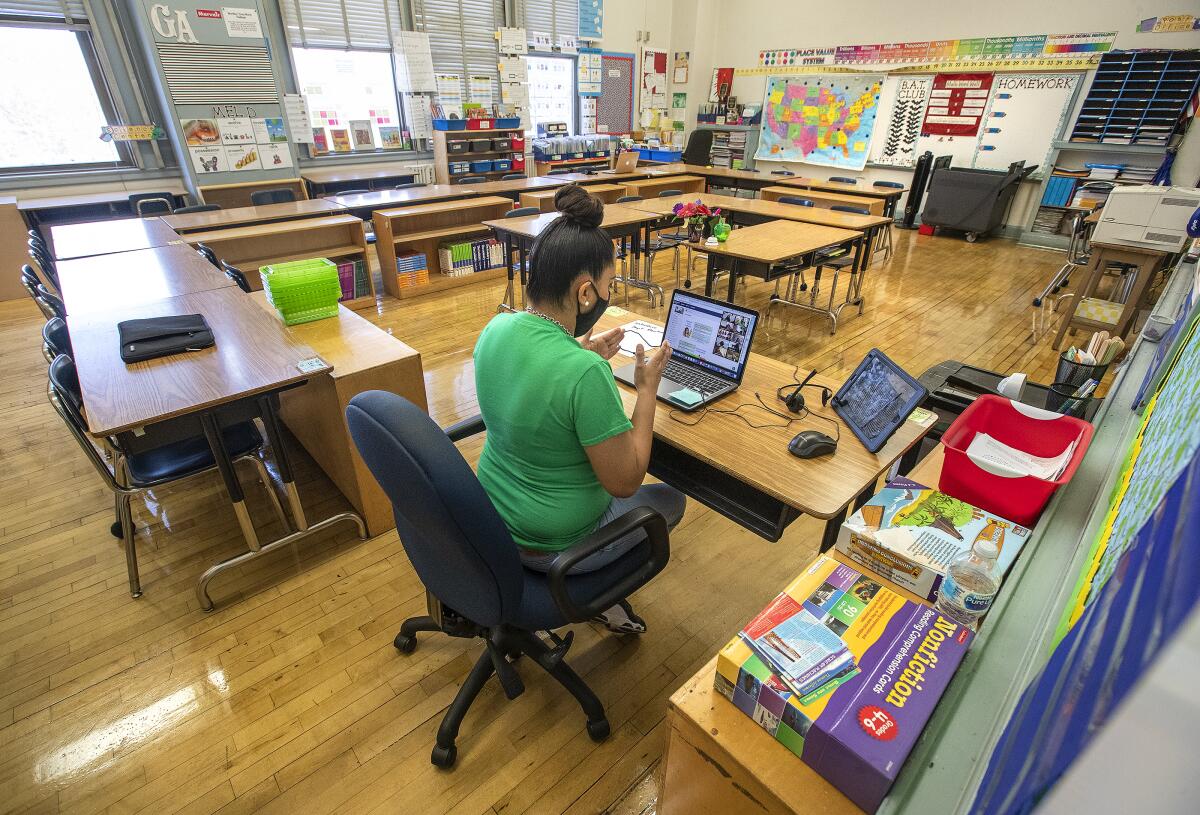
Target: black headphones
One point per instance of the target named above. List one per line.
(793, 394)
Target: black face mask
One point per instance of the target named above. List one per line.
(586, 322)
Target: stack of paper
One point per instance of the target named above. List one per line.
(992, 454)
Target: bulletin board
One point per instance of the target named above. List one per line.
(614, 111)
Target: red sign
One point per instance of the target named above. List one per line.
(956, 104)
(208, 13)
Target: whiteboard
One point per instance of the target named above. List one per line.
(1024, 114)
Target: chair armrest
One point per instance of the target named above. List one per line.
(657, 534)
(466, 428)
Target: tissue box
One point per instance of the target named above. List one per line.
(859, 727)
(909, 533)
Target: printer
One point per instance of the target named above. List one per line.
(1147, 217)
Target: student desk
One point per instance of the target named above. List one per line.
(104, 282)
(747, 474)
(254, 359)
(619, 221)
(245, 216)
(104, 237)
(320, 178)
(513, 187)
(544, 199)
(87, 205)
(363, 204)
(364, 357)
(729, 177)
(825, 200)
(650, 187)
(889, 195)
(718, 760)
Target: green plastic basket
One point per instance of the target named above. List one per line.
(302, 290)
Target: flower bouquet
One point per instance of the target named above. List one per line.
(697, 216)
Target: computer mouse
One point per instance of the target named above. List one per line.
(811, 443)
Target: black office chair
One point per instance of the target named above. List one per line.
(237, 276)
(411, 185)
(511, 176)
(132, 473)
(145, 204)
(467, 560)
(472, 179)
(795, 200)
(46, 266)
(275, 195)
(699, 146)
(56, 339)
(31, 284)
(197, 208)
(208, 254)
(841, 179)
(50, 303)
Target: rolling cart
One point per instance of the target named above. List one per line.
(972, 201)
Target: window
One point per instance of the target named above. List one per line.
(351, 99)
(462, 38)
(551, 91)
(554, 18)
(51, 116)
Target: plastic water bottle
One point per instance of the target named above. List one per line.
(970, 584)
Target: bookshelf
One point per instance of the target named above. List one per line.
(334, 237)
(422, 228)
(451, 146)
(733, 146)
(1138, 98)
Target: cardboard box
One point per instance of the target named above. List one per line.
(857, 730)
(909, 533)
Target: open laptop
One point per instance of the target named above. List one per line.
(877, 399)
(625, 163)
(710, 343)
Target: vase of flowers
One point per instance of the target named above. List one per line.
(698, 217)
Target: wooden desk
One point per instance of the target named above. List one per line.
(320, 177)
(422, 228)
(747, 474)
(650, 187)
(513, 188)
(106, 282)
(544, 199)
(718, 760)
(363, 204)
(244, 216)
(758, 249)
(250, 247)
(39, 207)
(1115, 317)
(889, 195)
(238, 194)
(825, 199)
(364, 357)
(254, 359)
(104, 237)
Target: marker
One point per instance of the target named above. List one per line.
(992, 130)
(999, 114)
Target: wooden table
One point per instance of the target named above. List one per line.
(319, 177)
(889, 195)
(620, 222)
(650, 187)
(363, 204)
(254, 359)
(513, 187)
(109, 203)
(1089, 312)
(747, 474)
(104, 237)
(729, 177)
(718, 760)
(104, 282)
(824, 200)
(245, 216)
(544, 199)
(364, 357)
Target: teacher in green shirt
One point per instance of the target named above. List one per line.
(561, 458)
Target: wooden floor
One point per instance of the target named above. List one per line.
(290, 698)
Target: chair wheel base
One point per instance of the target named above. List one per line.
(598, 730)
(406, 645)
(115, 530)
(443, 757)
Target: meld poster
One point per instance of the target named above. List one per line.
(956, 104)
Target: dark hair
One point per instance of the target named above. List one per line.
(572, 245)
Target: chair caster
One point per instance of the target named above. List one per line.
(115, 530)
(443, 757)
(598, 730)
(406, 645)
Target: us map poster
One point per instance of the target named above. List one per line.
(820, 119)
(904, 118)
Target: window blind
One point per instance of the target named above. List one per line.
(462, 34)
(553, 17)
(71, 11)
(363, 24)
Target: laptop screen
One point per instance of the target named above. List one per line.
(710, 333)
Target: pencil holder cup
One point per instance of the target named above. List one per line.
(1076, 373)
(1061, 395)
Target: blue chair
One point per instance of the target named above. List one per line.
(625, 199)
(197, 208)
(782, 172)
(850, 208)
(463, 553)
(353, 192)
(521, 212)
(275, 195)
(411, 185)
(795, 200)
(472, 179)
(152, 203)
(561, 171)
(134, 472)
(511, 176)
(841, 179)
(56, 339)
(890, 185)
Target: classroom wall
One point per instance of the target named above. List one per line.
(730, 33)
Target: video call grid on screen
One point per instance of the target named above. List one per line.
(715, 337)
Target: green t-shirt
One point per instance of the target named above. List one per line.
(544, 398)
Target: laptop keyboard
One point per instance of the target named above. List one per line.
(694, 378)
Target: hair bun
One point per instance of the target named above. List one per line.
(578, 206)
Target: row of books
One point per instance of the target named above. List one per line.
(728, 149)
(352, 277)
(412, 269)
(468, 257)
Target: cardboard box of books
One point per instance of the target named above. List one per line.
(844, 673)
(909, 533)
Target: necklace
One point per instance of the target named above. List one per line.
(536, 313)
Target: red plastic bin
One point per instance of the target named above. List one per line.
(1039, 432)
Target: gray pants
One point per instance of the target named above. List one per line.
(667, 501)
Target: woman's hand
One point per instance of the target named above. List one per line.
(606, 344)
(648, 371)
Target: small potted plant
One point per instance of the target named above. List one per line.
(697, 216)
